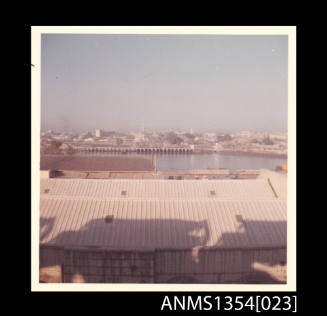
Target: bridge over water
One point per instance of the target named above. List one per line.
(136, 150)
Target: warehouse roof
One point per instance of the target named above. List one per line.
(278, 180)
(147, 214)
(159, 189)
(147, 224)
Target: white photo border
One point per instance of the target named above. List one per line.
(37, 31)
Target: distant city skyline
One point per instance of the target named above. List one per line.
(92, 130)
(207, 83)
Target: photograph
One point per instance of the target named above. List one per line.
(163, 156)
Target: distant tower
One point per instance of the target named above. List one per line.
(97, 133)
(142, 130)
(191, 130)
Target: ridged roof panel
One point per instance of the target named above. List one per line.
(158, 189)
(80, 222)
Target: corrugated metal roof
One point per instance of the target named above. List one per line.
(277, 180)
(158, 189)
(147, 224)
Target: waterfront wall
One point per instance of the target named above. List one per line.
(162, 174)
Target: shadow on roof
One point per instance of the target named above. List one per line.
(168, 234)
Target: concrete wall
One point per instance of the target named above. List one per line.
(44, 174)
(162, 266)
(51, 264)
(221, 266)
(95, 266)
(108, 266)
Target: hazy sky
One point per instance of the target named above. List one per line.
(206, 82)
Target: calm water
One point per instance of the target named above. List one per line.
(214, 161)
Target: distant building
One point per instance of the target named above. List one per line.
(245, 134)
(218, 146)
(97, 133)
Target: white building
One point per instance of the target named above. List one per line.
(97, 133)
(245, 134)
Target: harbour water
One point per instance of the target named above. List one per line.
(210, 161)
(215, 161)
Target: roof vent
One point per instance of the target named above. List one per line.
(46, 190)
(123, 193)
(239, 218)
(212, 193)
(109, 219)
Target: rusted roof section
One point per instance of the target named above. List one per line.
(96, 163)
(158, 189)
(149, 224)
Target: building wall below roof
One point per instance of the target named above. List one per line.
(162, 266)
